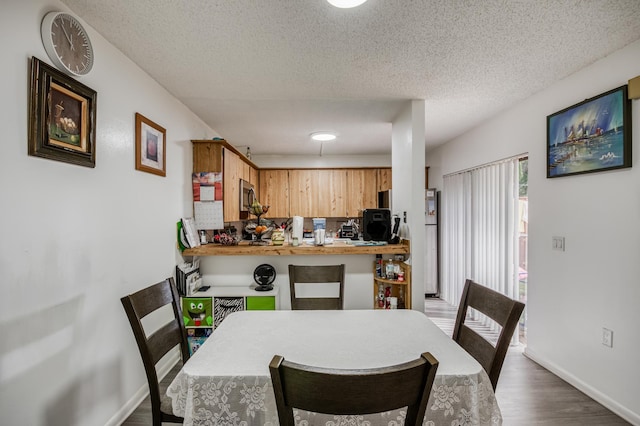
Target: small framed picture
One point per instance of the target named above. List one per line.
(151, 143)
(62, 117)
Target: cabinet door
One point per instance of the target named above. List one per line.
(260, 303)
(233, 168)
(246, 171)
(274, 192)
(207, 157)
(363, 191)
(254, 179)
(318, 193)
(332, 193)
(303, 186)
(197, 311)
(384, 179)
(223, 306)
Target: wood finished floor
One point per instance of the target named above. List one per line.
(527, 393)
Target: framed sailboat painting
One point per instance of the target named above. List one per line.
(591, 136)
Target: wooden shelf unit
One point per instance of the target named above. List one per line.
(395, 285)
(213, 306)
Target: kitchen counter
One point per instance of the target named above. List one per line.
(340, 247)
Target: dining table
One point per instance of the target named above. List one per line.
(227, 381)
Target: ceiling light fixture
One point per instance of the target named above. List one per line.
(345, 4)
(323, 136)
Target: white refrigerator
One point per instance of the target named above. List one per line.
(431, 264)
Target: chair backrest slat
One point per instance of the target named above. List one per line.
(151, 299)
(163, 340)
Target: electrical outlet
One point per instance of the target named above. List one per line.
(607, 337)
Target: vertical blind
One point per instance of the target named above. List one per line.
(479, 229)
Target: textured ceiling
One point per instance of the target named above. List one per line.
(267, 73)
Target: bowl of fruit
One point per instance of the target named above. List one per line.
(260, 231)
(225, 239)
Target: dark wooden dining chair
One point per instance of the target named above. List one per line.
(503, 310)
(153, 347)
(351, 392)
(303, 274)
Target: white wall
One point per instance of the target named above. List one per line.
(76, 239)
(238, 271)
(594, 283)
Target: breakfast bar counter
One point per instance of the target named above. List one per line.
(339, 247)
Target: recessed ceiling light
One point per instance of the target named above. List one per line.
(345, 4)
(323, 136)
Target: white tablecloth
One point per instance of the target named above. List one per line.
(227, 381)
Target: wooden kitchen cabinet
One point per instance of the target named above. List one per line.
(207, 156)
(384, 179)
(318, 192)
(296, 192)
(274, 192)
(254, 179)
(332, 201)
(233, 169)
(362, 191)
(220, 156)
(303, 187)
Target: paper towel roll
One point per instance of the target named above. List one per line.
(296, 227)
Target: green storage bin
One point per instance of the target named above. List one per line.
(261, 303)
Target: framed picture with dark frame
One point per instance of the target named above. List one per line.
(591, 136)
(62, 117)
(151, 144)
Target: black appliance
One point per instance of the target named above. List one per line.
(376, 224)
(348, 231)
(264, 275)
(384, 199)
(247, 196)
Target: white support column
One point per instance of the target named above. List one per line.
(408, 163)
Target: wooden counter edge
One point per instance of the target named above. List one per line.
(245, 249)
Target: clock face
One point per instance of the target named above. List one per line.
(67, 43)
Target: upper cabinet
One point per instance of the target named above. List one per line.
(303, 192)
(220, 156)
(274, 192)
(362, 191)
(384, 179)
(233, 171)
(318, 192)
(207, 157)
(332, 193)
(295, 192)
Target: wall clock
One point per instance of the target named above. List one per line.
(67, 43)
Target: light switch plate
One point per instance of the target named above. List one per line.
(557, 243)
(607, 337)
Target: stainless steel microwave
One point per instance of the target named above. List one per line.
(247, 196)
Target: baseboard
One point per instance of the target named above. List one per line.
(125, 411)
(624, 412)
